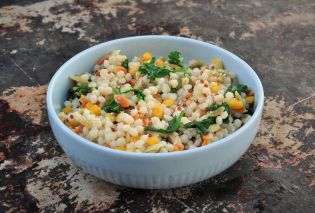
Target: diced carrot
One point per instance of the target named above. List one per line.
(138, 116)
(121, 68)
(122, 101)
(249, 93)
(106, 57)
(133, 82)
(78, 129)
(83, 100)
(159, 63)
(206, 139)
(146, 122)
(243, 110)
(178, 147)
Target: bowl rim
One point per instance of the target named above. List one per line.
(53, 115)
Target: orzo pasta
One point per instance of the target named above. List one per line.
(149, 104)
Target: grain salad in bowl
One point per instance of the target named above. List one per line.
(155, 104)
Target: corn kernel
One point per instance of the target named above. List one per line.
(96, 110)
(168, 102)
(67, 109)
(214, 87)
(250, 99)
(217, 63)
(159, 63)
(235, 104)
(133, 70)
(146, 56)
(158, 111)
(121, 148)
(110, 116)
(152, 140)
(134, 138)
(88, 105)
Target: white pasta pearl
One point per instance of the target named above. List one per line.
(93, 99)
(85, 77)
(101, 99)
(108, 90)
(133, 132)
(120, 74)
(218, 120)
(237, 123)
(224, 115)
(173, 83)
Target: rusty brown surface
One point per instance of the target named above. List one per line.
(276, 38)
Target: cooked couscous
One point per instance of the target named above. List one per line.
(148, 104)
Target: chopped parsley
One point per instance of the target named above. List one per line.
(237, 87)
(217, 106)
(153, 71)
(176, 58)
(174, 90)
(201, 126)
(140, 95)
(173, 125)
(78, 90)
(125, 63)
(111, 106)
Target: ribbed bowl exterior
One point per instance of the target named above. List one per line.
(153, 170)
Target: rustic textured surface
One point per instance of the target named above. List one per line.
(275, 37)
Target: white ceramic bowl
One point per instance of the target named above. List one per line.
(156, 170)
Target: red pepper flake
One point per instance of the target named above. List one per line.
(202, 81)
(71, 116)
(206, 85)
(113, 128)
(97, 73)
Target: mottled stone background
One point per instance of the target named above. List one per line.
(277, 38)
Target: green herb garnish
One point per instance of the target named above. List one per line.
(237, 87)
(78, 90)
(125, 63)
(174, 90)
(173, 125)
(217, 106)
(176, 58)
(201, 126)
(153, 71)
(140, 95)
(111, 106)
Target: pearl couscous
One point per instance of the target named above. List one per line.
(156, 105)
